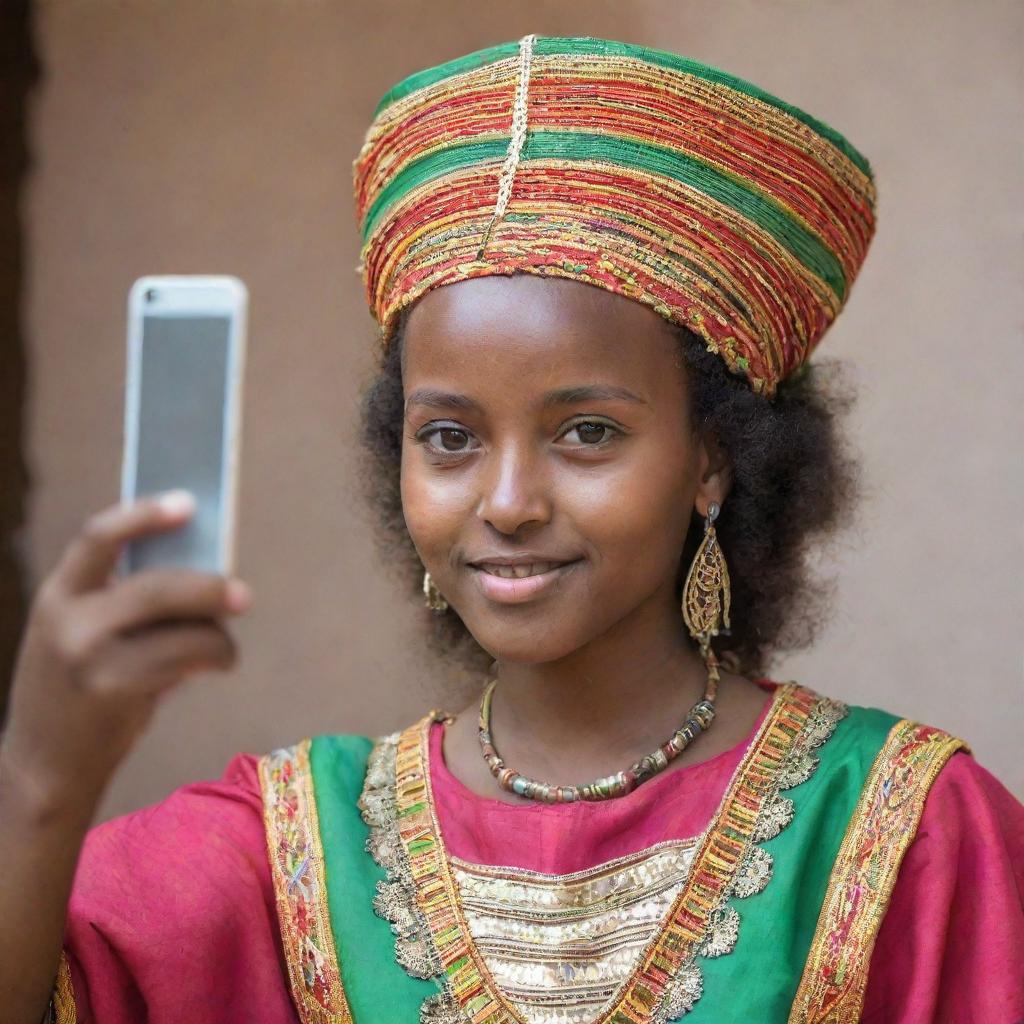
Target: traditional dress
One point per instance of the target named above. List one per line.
(839, 864)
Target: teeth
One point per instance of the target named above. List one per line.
(518, 572)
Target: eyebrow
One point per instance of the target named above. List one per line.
(561, 396)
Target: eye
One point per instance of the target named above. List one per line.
(440, 440)
(452, 439)
(592, 433)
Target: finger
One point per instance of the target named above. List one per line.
(155, 595)
(160, 657)
(92, 556)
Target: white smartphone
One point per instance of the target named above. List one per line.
(183, 413)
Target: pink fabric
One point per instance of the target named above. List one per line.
(950, 949)
(533, 836)
(172, 917)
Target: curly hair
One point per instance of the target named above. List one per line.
(794, 485)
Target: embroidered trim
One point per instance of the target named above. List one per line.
(469, 992)
(729, 864)
(420, 896)
(864, 874)
(395, 901)
(62, 1002)
(297, 867)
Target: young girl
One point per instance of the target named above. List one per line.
(596, 438)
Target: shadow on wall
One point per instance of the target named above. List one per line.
(19, 72)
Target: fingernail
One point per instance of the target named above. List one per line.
(239, 596)
(177, 503)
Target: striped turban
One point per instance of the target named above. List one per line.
(655, 177)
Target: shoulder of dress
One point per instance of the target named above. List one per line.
(969, 785)
(302, 749)
(209, 830)
(334, 765)
(910, 731)
(237, 786)
(868, 718)
(342, 740)
(874, 740)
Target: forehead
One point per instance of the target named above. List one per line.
(487, 331)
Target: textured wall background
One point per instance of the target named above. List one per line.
(218, 138)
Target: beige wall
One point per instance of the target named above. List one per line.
(199, 137)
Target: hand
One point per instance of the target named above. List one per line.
(98, 652)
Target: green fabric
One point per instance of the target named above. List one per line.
(759, 978)
(756, 981)
(763, 210)
(378, 990)
(551, 45)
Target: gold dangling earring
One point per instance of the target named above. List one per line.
(434, 599)
(706, 593)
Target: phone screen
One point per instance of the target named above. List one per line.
(182, 392)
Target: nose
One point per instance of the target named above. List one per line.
(514, 490)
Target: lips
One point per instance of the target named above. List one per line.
(518, 571)
(522, 581)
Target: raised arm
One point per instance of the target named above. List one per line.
(97, 654)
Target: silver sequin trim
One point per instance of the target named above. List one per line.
(559, 947)
(776, 815)
(681, 994)
(395, 900)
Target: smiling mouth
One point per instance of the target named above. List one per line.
(519, 572)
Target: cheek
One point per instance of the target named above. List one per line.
(433, 507)
(637, 511)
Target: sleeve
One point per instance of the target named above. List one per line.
(172, 913)
(950, 949)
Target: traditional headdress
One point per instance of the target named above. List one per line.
(642, 172)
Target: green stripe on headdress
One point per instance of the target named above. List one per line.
(661, 179)
(739, 196)
(552, 45)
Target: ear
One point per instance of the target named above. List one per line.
(715, 474)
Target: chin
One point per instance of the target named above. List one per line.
(525, 644)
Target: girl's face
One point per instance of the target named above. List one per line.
(547, 423)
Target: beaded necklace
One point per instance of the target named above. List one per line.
(698, 719)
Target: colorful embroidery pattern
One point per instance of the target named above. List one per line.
(653, 176)
(466, 976)
(62, 1003)
(422, 896)
(296, 862)
(728, 862)
(864, 874)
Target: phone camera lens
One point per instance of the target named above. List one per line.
(150, 294)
